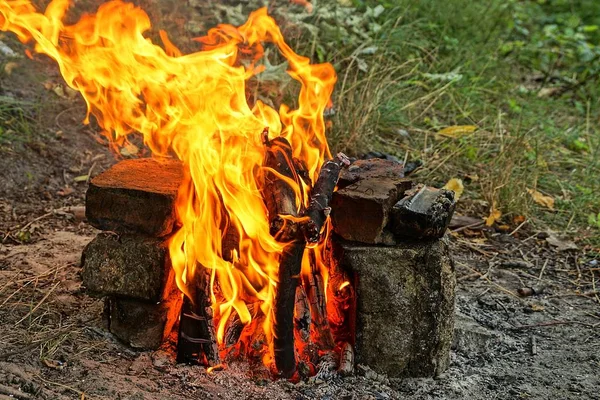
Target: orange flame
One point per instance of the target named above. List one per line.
(193, 106)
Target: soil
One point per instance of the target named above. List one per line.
(53, 344)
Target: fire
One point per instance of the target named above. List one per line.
(195, 107)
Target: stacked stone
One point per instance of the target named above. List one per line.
(389, 242)
(128, 264)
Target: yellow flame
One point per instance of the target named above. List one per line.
(194, 106)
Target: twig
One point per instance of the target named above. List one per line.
(462, 228)
(79, 392)
(543, 269)
(517, 228)
(499, 287)
(38, 304)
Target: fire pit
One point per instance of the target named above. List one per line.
(245, 238)
(379, 291)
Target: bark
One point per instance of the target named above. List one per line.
(318, 208)
(197, 342)
(318, 307)
(280, 200)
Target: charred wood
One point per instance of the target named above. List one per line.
(318, 306)
(346, 360)
(197, 342)
(318, 208)
(424, 213)
(281, 201)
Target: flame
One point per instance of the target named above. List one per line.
(195, 107)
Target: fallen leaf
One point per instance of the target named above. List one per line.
(54, 364)
(537, 307)
(456, 185)
(59, 91)
(494, 216)
(561, 245)
(541, 199)
(81, 178)
(129, 149)
(518, 219)
(9, 67)
(454, 132)
(66, 191)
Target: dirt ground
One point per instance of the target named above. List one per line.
(53, 344)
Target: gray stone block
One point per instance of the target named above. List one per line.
(127, 265)
(140, 324)
(405, 305)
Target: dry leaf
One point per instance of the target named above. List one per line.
(9, 67)
(494, 216)
(129, 149)
(59, 91)
(456, 185)
(54, 364)
(81, 178)
(559, 244)
(541, 199)
(537, 307)
(454, 132)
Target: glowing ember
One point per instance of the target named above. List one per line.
(195, 106)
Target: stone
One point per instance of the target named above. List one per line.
(424, 212)
(140, 324)
(135, 196)
(360, 211)
(405, 304)
(369, 169)
(127, 265)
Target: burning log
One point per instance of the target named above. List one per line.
(318, 305)
(302, 319)
(318, 208)
(197, 342)
(280, 200)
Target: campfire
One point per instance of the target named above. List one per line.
(244, 237)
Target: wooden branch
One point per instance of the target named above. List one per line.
(318, 307)
(302, 320)
(318, 208)
(197, 342)
(281, 200)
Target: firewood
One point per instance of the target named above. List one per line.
(280, 200)
(341, 304)
(302, 319)
(197, 342)
(424, 213)
(318, 306)
(318, 208)
(346, 366)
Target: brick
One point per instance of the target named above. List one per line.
(127, 265)
(135, 196)
(360, 211)
(404, 307)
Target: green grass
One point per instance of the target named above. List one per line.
(525, 73)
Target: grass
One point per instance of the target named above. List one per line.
(531, 93)
(525, 73)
